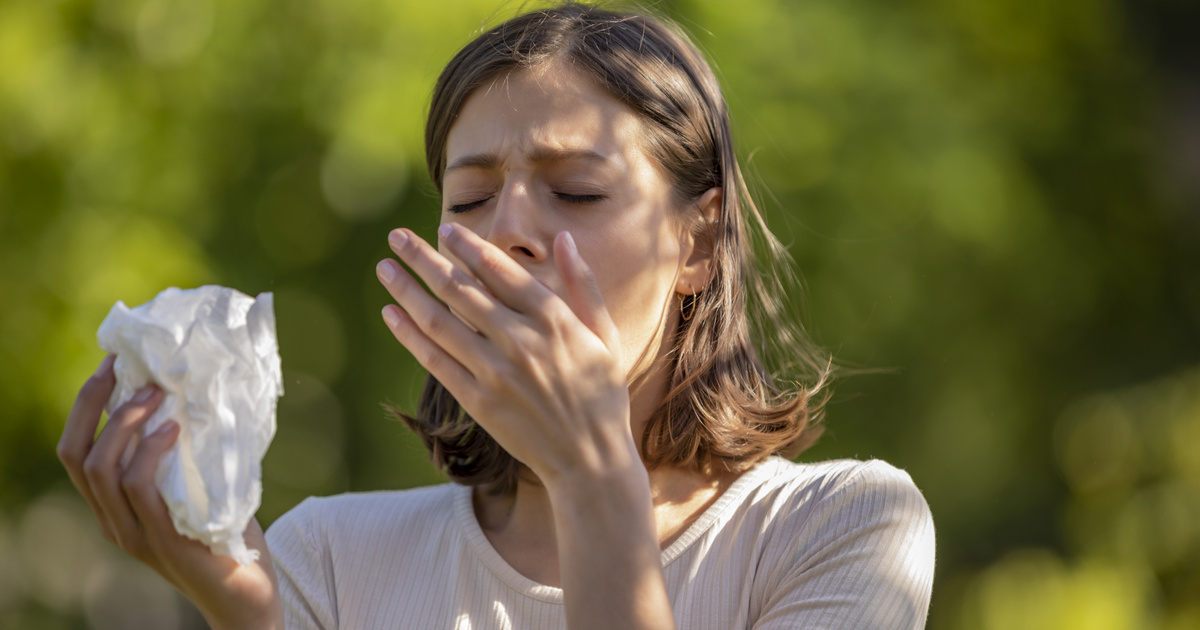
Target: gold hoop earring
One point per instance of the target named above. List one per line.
(685, 312)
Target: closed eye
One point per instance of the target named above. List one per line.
(465, 207)
(578, 198)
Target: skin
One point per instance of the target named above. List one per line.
(546, 172)
(132, 515)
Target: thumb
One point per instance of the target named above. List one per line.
(583, 294)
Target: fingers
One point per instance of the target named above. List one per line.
(137, 483)
(583, 294)
(103, 471)
(432, 319)
(80, 430)
(453, 286)
(511, 310)
(429, 354)
(505, 277)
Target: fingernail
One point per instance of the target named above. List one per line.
(390, 317)
(144, 394)
(167, 428)
(106, 364)
(398, 238)
(445, 230)
(571, 243)
(385, 271)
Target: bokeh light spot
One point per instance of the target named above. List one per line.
(173, 31)
(123, 594)
(59, 543)
(311, 335)
(360, 186)
(295, 226)
(1096, 446)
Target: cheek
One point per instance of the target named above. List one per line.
(636, 275)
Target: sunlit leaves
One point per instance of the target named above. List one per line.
(971, 190)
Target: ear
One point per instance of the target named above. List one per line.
(698, 245)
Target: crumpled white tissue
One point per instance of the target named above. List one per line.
(213, 352)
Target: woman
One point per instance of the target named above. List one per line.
(593, 387)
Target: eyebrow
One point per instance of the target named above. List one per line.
(539, 155)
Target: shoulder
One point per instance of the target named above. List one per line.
(844, 544)
(327, 551)
(865, 509)
(846, 487)
(833, 474)
(803, 510)
(366, 515)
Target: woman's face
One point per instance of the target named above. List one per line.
(543, 151)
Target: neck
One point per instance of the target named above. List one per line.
(527, 511)
(520, 525)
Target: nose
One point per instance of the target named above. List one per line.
(516, 227)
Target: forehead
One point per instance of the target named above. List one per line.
(546, 110)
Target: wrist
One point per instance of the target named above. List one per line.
(271, 621)
(249, 612)
(602, 497)
(607, 466)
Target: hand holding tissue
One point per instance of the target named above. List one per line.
(214, 354)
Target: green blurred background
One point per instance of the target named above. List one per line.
(1000, 199)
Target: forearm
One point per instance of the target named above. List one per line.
(269, 621)
(242, 604)
(608, 550)
(263, 611)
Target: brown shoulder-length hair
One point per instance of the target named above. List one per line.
(724, 409)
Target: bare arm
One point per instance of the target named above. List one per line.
(542, 374)
(132, 515)
(608, 552)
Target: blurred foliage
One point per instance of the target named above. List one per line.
(998, 199)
